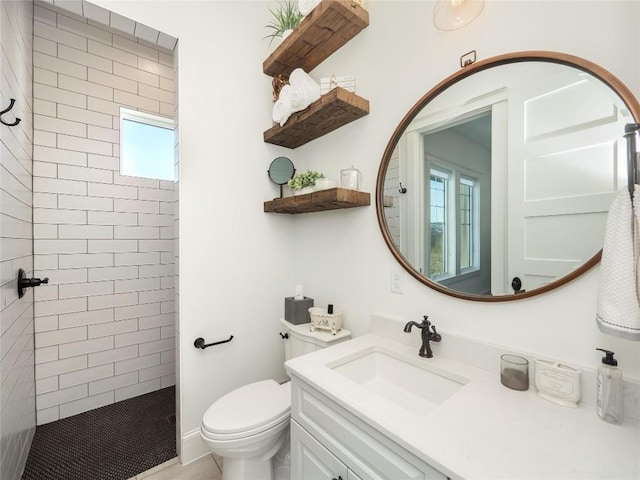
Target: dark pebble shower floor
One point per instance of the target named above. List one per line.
(115, 442)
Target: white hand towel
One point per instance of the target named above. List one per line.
(307, 89)
(618, 298)
(282, 108)
(636, 237)
(299, 99)
(301, 92)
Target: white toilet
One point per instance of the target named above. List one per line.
(249, 425)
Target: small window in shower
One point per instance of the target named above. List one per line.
(146, 145)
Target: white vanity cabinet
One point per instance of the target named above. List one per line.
(329, 443)
(311, 461)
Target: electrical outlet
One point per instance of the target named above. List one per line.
(396, 281)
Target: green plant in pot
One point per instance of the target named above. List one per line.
(285, 18)
(304, 180)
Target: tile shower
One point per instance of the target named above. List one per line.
(17, 388)
(105, 324)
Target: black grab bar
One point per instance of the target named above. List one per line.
(199, 342)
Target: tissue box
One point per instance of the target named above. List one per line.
(297, 311)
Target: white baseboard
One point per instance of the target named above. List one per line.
(192, 447)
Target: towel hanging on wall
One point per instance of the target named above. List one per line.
(619, 294)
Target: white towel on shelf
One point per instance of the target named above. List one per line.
(282, 108)
(301, 92)
(636, 239)
(619, 294)
(305, 90)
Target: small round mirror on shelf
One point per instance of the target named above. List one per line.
(502, 175)
(281, 171)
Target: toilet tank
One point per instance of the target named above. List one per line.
(302, 340)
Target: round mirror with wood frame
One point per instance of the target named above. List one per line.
(496, 185)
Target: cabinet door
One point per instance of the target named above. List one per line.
(369, 453)
(311, 461)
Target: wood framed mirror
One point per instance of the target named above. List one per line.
(496, 185)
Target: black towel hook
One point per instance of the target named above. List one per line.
(11, 104)
(402, 189)
(631, 130)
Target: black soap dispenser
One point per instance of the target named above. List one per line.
(609, 389)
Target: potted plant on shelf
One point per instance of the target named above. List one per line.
(285, 19)
(304, 182)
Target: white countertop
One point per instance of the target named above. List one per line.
(484, 430)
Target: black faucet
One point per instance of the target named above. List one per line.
(427, 336)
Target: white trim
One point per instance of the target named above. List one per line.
(147, 118)
(192, 447)
(451, 116)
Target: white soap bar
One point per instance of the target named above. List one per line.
(558, 383)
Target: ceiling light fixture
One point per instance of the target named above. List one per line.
(454, 14)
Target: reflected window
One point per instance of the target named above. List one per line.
(467, 223)
(453, 223)
(146, 145)
(438, 224)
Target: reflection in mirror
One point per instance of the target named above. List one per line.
(281, 171)
(510, 168)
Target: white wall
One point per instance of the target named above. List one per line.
(105, 326)
(397, 59)
(237, 263)
(17, 383)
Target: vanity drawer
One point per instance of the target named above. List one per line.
(367, 452)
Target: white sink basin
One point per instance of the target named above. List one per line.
(409, 383)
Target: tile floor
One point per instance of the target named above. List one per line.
(205, 468)
(113, 442)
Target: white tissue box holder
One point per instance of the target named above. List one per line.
(322, 320)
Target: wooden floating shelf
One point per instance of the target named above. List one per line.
(330, 112)
(331, 199)
(330, 25)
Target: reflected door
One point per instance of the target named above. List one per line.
(570, 169)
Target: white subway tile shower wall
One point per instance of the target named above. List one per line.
(105, 324)
(18, 387)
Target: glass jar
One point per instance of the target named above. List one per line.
(350, 178)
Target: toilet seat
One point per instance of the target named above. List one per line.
(247, 411)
